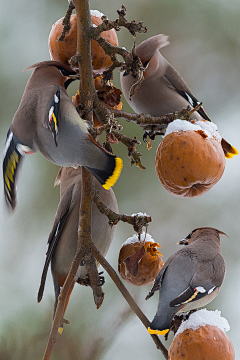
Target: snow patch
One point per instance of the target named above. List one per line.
(134, 238)
(139, 214)
(202, 318)
(209, 128)
(96, 13)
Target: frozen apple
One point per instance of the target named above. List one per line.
(139, 261)
(190, 159)
(63, 50)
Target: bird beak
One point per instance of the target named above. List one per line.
(183, 242)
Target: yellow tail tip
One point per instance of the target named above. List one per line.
(231, 152)
(235, 151)
(115, 175)
(157, 332)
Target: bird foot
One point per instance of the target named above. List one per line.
(177, 321)
(86, 280)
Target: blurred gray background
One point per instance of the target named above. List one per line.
(205, 37)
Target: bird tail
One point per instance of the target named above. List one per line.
(157, 332)
(109, 175)
(228, 149)
(155, 328)
(11, 164)
(147, 48)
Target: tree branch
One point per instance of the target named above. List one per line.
(137, 221)
(84, 245)
(83, 57)
(66, 21)
(112, 273)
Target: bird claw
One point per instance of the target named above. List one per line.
(177, 321)
(101, 279)
(151, 134)
(86, 280)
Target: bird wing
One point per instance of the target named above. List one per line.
(54, 114)
(159, 278)
(64, 208)
(207, 278)
(174, 80)
(11, 160)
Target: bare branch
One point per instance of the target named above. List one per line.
(132, 63)
(66, 21)
(132, 26)
(112, 273)
(87, 88)
(146, 121)
(137, 221)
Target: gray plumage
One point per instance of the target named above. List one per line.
(163, 90)
(190, 278)
(46, 120)
(158, 93)
(62, 240)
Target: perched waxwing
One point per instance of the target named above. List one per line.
(163, 90)
(47, 120)
(63, 237)
(190, 278)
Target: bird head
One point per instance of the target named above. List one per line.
(65, 72)
(196, 233)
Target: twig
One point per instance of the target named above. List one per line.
(66, 21)
(134, 155)
(107, 24)
(137, 221)
(132, 26)
(146, 121)
(83, 57)
(132, 62)
(112, 273)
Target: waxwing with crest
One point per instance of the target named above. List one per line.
(163, 90)
(46, 120)
(190, 278)
(62, 241)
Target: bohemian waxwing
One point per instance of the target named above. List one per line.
(163, 90)
(190, 278)
(47, 120)
(63, 237)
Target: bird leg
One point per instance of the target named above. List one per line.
(177, 321)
